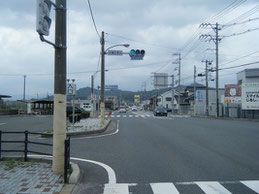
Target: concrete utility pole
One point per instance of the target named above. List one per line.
(217, 68)
(59, 118)
(179, 77)
(92, 95)
(24, 85)
(194, 92)
(216, 40)
(102, 77)
(172, 94)
(207, 62)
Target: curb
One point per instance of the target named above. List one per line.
(225, 118)
(90, 132)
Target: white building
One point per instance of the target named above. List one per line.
(165, 100)
(248, 76)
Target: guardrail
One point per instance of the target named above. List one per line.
(27, 141)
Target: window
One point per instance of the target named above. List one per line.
(168, 99)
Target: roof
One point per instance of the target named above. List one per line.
(4, 96)
(37, 101)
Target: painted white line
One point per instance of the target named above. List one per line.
(2, 123)
(112, 116)
(124, 116)
(130, 115)
(164, 188)
(109, 170)
(122, 188)
(148, 115)
(118, 116)
(254, 185)
(136, 115)
(212, 187)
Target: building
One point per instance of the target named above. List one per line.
(165, 100)
(248, 76)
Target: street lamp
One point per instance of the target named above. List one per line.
(103, 52)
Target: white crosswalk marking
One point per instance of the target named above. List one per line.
(130, 116)
(124, 116)
(116, 188)
(118, 116)
(254, 185)
(148, 115)
(112, 116)
(136, 116)
(164, 188)
(212, 187)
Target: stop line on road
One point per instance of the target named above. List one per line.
(144, 116)
(207, 187)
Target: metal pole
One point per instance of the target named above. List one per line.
(217, 71)
(73, 111)
(172, 94)
(179, 77)
(59, 117)
(207, 88)
(24, 85)
(194, 93)
(92, 93)
(102, 77)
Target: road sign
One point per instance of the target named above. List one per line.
(71, 89)
(115, 52)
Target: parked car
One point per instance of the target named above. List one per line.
(160, 111)
(70, 110)
(122, 109)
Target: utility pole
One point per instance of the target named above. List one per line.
(216, 40)
(102, 77)
(172, 94)
(59, 117)
(217, 69)
(24, 85)
(92, 93)
(179, 77)
(194, 92)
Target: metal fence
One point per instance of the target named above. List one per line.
(26, 141)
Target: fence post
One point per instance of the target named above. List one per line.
(0, 144)
(25, 145)
(67, 157)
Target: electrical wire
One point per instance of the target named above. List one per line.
(91, 12)
(240, 23)
(147, 43)
(239, 58)
(246, 64)
(240, 33)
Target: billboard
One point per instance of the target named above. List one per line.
(250, 96)
(160, 80)
(137, 98)
(232, 93)
(111, 87)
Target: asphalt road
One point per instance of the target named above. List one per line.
(165, 155)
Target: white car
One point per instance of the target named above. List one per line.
(134, 109)
(122, 110)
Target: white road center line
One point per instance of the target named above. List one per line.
(212, 187)
(254, 185)
(164, 188)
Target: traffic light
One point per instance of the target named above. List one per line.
(137, 54)
(43, 20)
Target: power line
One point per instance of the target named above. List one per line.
(239, 23)
(239, 58)
(133, 40)
(91, 12)
(240, 33)
(246, 64)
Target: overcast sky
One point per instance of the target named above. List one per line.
(161, 28)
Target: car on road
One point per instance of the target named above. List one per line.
(134, 108)
(160, 111)
(122, 109)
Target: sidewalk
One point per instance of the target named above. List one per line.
(28, 177)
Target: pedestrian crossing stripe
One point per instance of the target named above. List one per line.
(208, 187)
